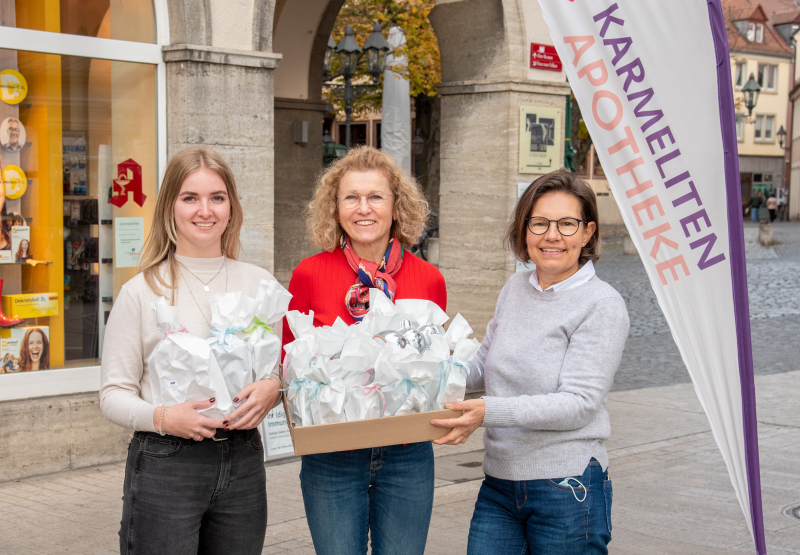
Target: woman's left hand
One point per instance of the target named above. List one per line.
(261, 397)
(464, 425)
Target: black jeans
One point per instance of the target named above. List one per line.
(186, 497)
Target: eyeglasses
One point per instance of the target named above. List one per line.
(373, 199)
(565, 226)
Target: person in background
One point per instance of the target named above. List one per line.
(755, 204)
(782, 207)
(366, 211)
(772, 206)
(547, 363)
(34, 353)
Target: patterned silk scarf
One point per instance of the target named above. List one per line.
(371, 275)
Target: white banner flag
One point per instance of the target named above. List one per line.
(653, 81)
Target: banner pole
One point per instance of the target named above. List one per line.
(738, 272)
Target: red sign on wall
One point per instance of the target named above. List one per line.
(129, 180)
(544, 56)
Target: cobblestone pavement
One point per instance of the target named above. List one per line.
(651, 357)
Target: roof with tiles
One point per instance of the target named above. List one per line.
(775, 7)
(746, 10)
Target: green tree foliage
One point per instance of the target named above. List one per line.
(581, 140)
(421, 49)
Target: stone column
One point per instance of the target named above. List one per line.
(297, 165)
(223, 99)
(479, 177)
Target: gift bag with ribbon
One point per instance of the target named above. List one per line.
(230, 312)
(458, 365)
(183, 368)
(272, 302)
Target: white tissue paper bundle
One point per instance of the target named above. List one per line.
(376, 376)
(183, 368)
(459, 364)
(230, 312)
(272, 302)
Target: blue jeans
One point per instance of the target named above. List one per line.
(754, 213)
(186, 497)
(542, 517)
(387, 491)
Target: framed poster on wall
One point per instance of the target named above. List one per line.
(539, 139)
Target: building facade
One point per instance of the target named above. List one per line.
(758, 49)
(97, 94)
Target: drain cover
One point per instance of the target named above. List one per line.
(792, 511)
(474, 464)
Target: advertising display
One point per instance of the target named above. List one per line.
(24, 349)
(21, 243)
(30, 305)
(673, 168)
(539, 139)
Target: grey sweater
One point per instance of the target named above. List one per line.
(548, 361)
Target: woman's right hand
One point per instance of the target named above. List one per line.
(184, 421)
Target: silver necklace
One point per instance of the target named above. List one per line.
(209, 281)
(205, 283)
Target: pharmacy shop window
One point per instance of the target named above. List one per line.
(79, 163)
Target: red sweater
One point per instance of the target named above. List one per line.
(320, 282)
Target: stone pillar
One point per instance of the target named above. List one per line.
(297, 166)
(223, 99)
(479, 176)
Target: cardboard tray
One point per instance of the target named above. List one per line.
(363, 434)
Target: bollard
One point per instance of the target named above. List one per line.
(627, 245)
(765, 234)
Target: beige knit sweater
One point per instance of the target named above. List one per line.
(131, 333)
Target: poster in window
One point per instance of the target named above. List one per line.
(539, 139)
(128, 241)
(21, 242)
(12, 135)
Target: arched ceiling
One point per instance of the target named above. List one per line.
(301, 31)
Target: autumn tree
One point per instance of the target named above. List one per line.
(581, 140)
(423, 69)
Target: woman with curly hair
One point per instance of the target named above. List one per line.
(34, 353)
(365, 212)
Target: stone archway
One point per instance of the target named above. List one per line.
(485, 47)
(227, 89)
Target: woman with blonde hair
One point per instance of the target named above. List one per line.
(34, 353)
(366, 211)
(192, 484)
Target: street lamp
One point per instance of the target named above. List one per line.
(781, 136)
(376, 48)
(349, 54)
(330, 52)
(751, 90)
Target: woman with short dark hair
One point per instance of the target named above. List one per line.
(548, 361)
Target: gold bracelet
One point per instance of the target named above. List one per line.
(161, 421)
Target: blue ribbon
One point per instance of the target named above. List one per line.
(221, 333)
(466, 365)
(307, 384)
